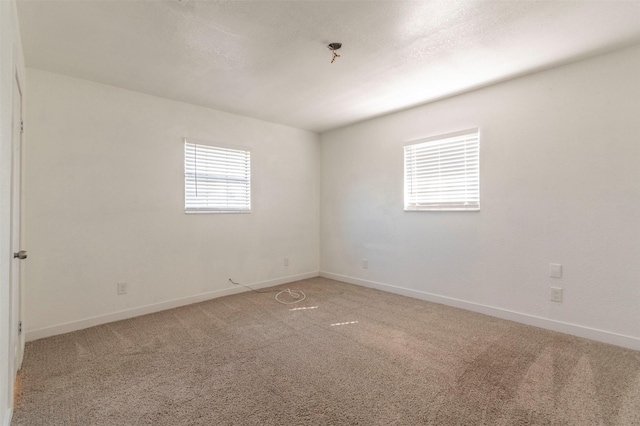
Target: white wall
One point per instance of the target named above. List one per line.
(560, 182)
(11, 60)
(105, 203)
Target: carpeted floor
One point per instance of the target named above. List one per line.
(355, 356)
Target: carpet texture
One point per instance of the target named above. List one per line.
(355, 356)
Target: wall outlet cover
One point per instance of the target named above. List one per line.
(555, 270)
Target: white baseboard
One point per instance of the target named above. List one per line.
(549, 324)
(156, 307)
(8, 414)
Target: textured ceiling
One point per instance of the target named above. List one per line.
(269, 60)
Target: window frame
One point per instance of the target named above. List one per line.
(412, 206)
(221, 146)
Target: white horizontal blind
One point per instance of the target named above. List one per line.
(443, 173)
(216, 179)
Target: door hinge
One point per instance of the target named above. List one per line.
(21, 126)
(19, 327)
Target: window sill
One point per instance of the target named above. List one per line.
(217, 211)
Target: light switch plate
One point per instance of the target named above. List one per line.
(555, 270)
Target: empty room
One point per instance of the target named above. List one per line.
(319, 212)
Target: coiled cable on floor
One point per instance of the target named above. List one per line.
(298, 295)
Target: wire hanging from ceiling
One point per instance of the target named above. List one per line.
(333, 47)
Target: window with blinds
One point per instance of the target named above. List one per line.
(217, 179)
(443, 172)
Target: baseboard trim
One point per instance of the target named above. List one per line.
(549, 324)
(40, 333)
(8, 415)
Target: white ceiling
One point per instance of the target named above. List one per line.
(268, 59)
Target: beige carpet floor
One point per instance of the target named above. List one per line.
(354, 356)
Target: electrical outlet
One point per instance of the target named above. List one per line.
(286, 261)
(556, 294)
(122, 288)
(365, 264)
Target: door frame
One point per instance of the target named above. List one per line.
(17, 267)
(15, 201)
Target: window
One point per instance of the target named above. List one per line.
(443, 172)
(217, 179)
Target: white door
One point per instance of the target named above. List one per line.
(16, 338)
